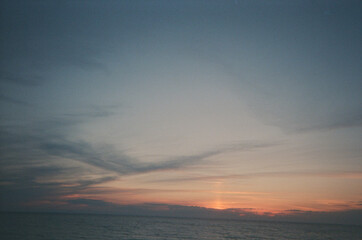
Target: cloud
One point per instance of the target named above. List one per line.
(317, 174)
(26, 182)
(95, 190)
(44, 161)
(89, 205)
(107, 159)
(89, 202)
(29, 173)
(346, 121)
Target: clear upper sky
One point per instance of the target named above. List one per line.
(250, 105)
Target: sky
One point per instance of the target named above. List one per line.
(228, 108)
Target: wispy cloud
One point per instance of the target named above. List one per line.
(108, 159)
(29, 173)
(44, 160)
(317, 174)
(345, 121)
(141, 191)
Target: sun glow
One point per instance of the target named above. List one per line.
(218, 204)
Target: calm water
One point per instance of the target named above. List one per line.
(68, 227)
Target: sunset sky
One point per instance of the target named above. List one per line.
(254, 106)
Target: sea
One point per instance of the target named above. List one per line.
(83, 226)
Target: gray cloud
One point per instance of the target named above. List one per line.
(29, 173)
(166, 210)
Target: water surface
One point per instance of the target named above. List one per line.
(72, 226)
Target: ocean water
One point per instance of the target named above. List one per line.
(71, 226)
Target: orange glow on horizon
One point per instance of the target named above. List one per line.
(259, 198)
(261, 206)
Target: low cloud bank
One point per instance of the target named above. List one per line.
(94, 206)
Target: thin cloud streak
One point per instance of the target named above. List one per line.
(97, 190)
(122, 164)
(331, 174)
(348, 121)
